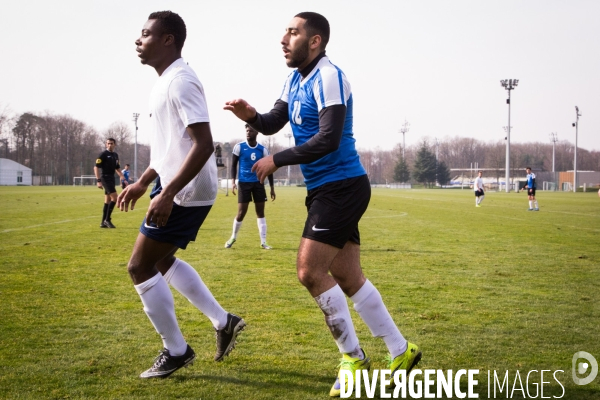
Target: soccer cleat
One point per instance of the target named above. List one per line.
(348, 363)
(536, 209)
(108, 224)
(265, 246)
(229, 243)
(477, 205)
(406, 361)
(226, 336)
(103, 226)
(530, 209)
(165, 364)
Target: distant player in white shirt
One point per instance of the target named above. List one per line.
(184, 167)
(478, 187)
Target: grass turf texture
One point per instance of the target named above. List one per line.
(490, 288)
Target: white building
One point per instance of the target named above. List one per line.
(12, 173)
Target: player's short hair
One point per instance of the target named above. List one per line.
(316, 24)
(171, 24)
(111, 140)
(127, 165)
(527, 167)
(480, 171)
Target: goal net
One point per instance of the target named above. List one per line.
(84, 180)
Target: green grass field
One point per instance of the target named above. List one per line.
(490, 288)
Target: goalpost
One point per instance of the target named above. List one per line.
(84, 180)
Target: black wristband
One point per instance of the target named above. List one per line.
(99, 180)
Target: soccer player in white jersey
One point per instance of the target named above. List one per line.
(184, 167)
(246, 154)
(531, 186)
(478, 187)
(317, 101)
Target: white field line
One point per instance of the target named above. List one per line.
(49, 223)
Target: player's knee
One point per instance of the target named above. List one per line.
(306, 278)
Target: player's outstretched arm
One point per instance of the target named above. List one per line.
(241, 109)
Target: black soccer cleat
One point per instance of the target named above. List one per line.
(108, 224)
(165, 364)
(103, 226)
(226, 336)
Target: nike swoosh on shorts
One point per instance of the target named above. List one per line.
(314, 228)
(150, 227)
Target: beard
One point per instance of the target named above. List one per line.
(298, 56)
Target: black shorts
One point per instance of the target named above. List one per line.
(182, 226)
(479, 193)
(334, 210)
(248, 191)
(531, 192)
(108, 183)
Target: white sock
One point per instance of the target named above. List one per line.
(262, 229)
(185, 279)
(337, 317)
(370, 307)
(536, 204)
(481, 199)
(160, 308)
(476, 200)
(236, 228)
(530, 203)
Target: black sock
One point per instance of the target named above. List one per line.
(111, 206)
(104, 212)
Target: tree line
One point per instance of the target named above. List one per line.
(61, 147)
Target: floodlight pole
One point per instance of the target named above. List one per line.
(403, 130)
(554, 139)
(508, 84)
(135, 120)
(576, 124)
(289, 136)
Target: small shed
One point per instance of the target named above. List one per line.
(12, 173)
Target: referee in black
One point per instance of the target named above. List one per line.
(108, 163)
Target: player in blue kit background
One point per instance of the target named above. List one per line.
(531, 186)
(250, 189)
(317, 101)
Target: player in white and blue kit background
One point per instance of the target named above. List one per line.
(250, 189)
(531, 186)
(317, 102)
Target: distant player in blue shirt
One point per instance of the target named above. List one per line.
(125, 181)
(247, 154)
(531, 186)
(317, 102)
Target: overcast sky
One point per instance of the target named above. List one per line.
(437, 64)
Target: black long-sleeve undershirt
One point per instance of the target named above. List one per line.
(331, 127)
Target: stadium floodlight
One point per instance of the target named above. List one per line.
(553, 139)
(576, 125)
(135, 119)
(508, 84)
(403, 130)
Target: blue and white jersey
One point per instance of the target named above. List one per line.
(326, 85)
(247, 157)
(531, 180)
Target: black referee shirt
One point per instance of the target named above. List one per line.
(108, 161)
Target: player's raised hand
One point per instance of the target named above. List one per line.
(241, 109)
(264, 167)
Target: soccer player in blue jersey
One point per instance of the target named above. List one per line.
(247, 154)
(531, 186)
(317, 101)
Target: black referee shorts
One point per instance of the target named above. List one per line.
(108, 183)
(334, 210)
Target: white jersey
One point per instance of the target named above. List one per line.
(177, 101)
(478, 184)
